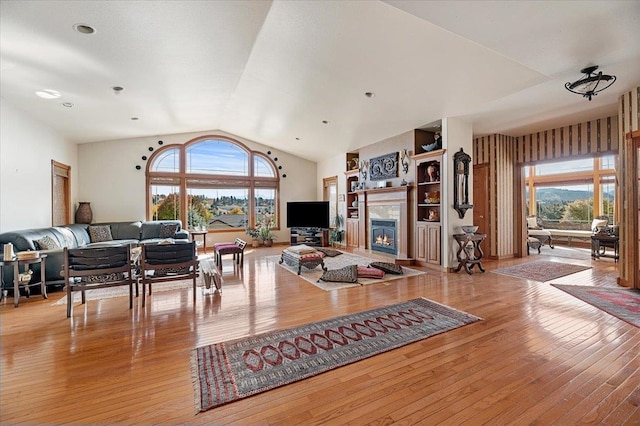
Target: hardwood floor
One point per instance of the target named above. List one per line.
(540, 356)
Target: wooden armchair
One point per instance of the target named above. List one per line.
(97, 267)
(168, 262)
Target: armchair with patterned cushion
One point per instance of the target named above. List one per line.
(536, 230)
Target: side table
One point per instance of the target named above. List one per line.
(469, 252)
(16, 273)
(599, 242)
(193, 234)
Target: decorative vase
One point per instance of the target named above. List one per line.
(255, 242)
(84, 213)
(268, 242)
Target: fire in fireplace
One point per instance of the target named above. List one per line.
(383, 236)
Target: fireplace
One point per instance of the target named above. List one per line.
(383, 236)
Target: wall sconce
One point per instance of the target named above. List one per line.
(461, 162)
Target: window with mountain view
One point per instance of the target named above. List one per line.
(570, 194)
(221, 185)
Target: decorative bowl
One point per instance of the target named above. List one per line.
(469, 229)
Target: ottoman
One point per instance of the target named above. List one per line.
(299, 256)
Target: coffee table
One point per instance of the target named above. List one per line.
(308, 260)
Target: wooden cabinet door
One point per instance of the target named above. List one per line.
(421, 242)
(352, 232)
(433, 244)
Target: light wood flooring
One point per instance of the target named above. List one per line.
(540, 356)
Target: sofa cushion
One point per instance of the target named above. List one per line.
(151, 229)
(46, 243)
(348, 274)
(125, 230)
(100, 233)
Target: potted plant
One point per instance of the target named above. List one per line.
(255, 234)
(337, 233)
(264, 230)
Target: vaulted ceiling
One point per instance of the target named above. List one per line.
(273, 71)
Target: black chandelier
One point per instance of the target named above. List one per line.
(591, 83)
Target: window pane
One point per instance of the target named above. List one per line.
(565, 207)
(265, 202)
(262, 168)
(167, 161)
(608, 199)
(224, 208)
(165, 202)
(608, 163)
(218, 157)
(564, 167)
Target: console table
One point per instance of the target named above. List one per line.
(469, 252)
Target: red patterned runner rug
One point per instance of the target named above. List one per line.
(619, 302)
(228, 371)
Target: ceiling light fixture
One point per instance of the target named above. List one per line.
(591, 83)
(370, 94)
(84, 29)
(117, 89)
(48, 94)
(67, 104)
(325, 122)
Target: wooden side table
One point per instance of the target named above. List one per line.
(599, 242)
(469, 252)
(16, 272)
(193, 234)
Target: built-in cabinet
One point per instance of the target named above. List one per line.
(428, 202)
(352, 232)
(353, 207)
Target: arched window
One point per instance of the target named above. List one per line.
(223, 185)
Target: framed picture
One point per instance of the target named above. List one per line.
(384, 167)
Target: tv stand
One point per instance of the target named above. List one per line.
(310, 236)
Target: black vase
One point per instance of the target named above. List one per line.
(84, 213)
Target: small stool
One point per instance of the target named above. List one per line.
(533, 243)
(235, 248)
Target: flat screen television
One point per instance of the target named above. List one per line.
(308, 214)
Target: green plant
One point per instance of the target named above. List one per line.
(337, 233)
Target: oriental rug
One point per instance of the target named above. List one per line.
(542, 271)
(232, 370)
(337, 262)
(621, 303)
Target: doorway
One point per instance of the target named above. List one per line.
(60, 194)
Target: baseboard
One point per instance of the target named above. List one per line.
(405, 262)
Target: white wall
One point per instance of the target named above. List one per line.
(456, 134)
(26, 149)
(109, 180)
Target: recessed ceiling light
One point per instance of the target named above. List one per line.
(297, 139)
(117, 89)
(67, 104)
(370, 94)
(48, 94)
(134, 118)
(325, 122)
(84, 29)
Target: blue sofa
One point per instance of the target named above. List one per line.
(78, 235)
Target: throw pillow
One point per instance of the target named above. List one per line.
(330, 252)
(596, 224)
(366, 272)
(348, 274)
(46, 243)
(532, 222)
(100, 233)
(390, 268)
(168, 230)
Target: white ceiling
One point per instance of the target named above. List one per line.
(273, 71)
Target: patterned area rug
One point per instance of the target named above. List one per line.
(228, 371)
(337, 262)
(621, 303)
(542, 271)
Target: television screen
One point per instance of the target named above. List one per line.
(308, 214)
